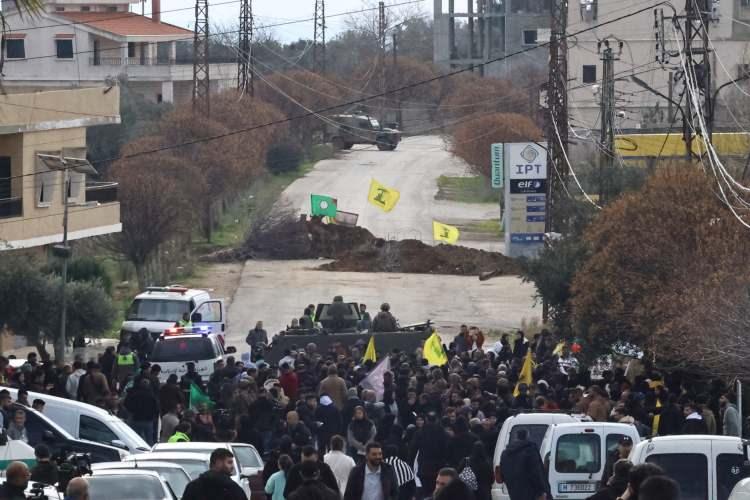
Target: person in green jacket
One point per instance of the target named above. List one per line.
(277, 482)
(181, 433)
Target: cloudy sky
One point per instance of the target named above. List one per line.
(269, 12)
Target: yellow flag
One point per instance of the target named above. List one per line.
(525, 377)
(559, 348)
(370, 352)
(433, 351)
(444, 232)
(383, 197)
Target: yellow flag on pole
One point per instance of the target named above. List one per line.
(383, 197)
(433, 351)
(559, 348)
(444, 232)
(525, 377)
(370, 352)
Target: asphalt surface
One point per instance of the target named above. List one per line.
(277, 291)
(413, 169)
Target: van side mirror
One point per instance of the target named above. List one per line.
(231, 350)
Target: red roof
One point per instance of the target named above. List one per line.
(124, 23)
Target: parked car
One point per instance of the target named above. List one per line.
(179, 346)
(576, 453)
(41, 429)
(706, 467)
(85, 421)
(247, 460)
(174, 474)
(127, 484)
(536, 424)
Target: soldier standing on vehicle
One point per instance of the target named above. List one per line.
(255, 337)
(384, 321)
(338, 310)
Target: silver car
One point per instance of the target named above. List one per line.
(174, 474)
(129, 484)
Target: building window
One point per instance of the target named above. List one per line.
(64, 48)
(44, 182)
(59, 9)
(85, 8)
(131, 49)
(15, 48)
(529, 37)
(159, 98)
(589, 10)
(112, 8)
(589, 73)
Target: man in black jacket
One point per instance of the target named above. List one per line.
(295, 478)
(144, 409)
(432, 445)
(312, 488)
(374, 473)
(522, 470)
(217, 481)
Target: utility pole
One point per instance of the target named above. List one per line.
(381, 55)
(201, 77)
(607, 112)
(557, 114)
(399, 116)
(245, 65)
(696, 53)
(319, 37)
(63, 251)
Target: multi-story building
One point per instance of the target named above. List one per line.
(477, 31)
(43, 136)
(79, 43)
(636, 107)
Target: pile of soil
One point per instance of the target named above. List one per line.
(356, 249)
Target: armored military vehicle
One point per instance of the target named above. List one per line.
(360, 129)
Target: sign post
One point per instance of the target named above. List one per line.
(498, 173)
(525, 198)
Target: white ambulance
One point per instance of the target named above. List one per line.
(178, 346)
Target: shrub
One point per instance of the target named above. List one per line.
(283, 157)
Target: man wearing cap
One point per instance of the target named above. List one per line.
(311, 486)
(624, 447)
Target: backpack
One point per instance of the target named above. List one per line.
(468, 477)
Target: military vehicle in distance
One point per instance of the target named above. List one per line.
(360, 129)
(342, 333)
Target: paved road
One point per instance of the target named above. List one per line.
(413, 169)
(277, 291)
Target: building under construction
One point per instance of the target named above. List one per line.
(470, 32)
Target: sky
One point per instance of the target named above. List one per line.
(225, 13)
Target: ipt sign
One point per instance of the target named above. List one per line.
(526, 161)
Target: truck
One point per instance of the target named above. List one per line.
(349, 129)
(343, 333)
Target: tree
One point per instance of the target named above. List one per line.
(30, 303)
(468, 94)
(473, 138)
(655, 256)
(153, 204)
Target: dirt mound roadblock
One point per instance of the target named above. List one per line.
(356, 249)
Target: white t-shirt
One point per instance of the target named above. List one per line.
(341, 464)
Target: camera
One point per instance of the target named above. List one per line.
(70, 466)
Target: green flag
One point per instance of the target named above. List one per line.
(322, 205)
(198, 397)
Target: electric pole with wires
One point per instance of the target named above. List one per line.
(245, 57)
(607, 111)
(319, 37)
(381, 56)
(201, 77)
(557, 115)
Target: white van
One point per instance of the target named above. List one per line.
(706, 467)
(85, 421)
(536, 424)
(175, 349)
(575, 455)
(161, 307)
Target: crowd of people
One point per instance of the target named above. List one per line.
(430, 432)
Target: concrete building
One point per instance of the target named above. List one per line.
(79, 43)
(43, 126)
(468, 32)
(636, 108)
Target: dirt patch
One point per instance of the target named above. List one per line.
(356, 249)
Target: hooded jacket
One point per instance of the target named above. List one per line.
(522, 471)
(212, 484)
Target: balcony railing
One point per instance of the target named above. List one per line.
(11, 207)
(102, 192)
(158, 61)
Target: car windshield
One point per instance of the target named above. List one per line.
(125, 487)
(157, 310)
(179, 349)
(536, 433)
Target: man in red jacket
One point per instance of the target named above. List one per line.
(289, 381)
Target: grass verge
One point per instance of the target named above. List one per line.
(475, 189)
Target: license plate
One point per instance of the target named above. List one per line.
(582, 487)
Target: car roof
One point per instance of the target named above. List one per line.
(541, 418)
(167, 456)
(197, 445)
(595, 425)
(183, 336)
(188, 294)
(134, 465)
(91, 409)
(127, 472)
(693, 437)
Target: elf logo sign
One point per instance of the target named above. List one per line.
(527, 160)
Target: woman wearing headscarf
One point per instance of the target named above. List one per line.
(360, 432)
